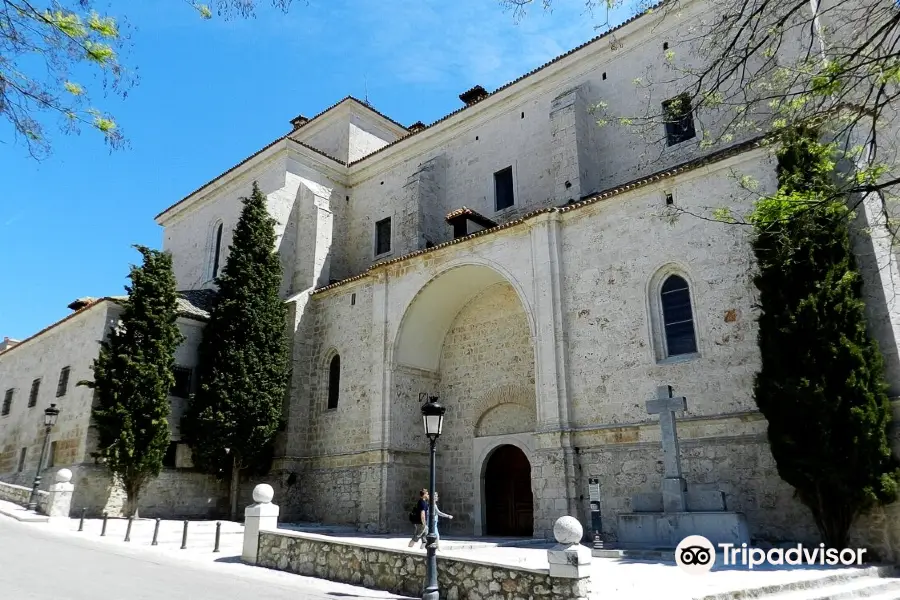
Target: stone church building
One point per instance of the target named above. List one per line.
(541, 274)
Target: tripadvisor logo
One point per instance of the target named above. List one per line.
(697, 555)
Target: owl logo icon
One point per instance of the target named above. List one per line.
(695, 555)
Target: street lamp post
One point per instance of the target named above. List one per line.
(433, 419)
(50, 415)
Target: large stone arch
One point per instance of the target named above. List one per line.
(428, 316)
(467, 335)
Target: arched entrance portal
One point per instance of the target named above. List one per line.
(508, 502)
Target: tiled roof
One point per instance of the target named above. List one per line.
(193, 304)
(592, 199)
(358, 101)
(474, 215)
(518, 79)
(196, 303)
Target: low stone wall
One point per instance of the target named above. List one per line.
(19, 494)
(403, 572)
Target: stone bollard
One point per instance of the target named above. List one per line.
(59, 503)
(569, 560)
(262, 515)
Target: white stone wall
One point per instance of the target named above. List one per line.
(299, 199)
(73, 343)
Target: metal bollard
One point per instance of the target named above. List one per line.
(103, 531)
(184, 536)
(155, 533)
(128, 529)
(218, 533)
(81, 522)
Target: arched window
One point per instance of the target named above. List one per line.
(677, 317)
(334, 381)
(217, 251)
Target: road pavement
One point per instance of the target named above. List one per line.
(40, 563)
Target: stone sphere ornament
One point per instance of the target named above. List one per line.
(263, 493)
(568, 530)
(63, 476)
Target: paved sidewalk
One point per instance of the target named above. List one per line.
(612, 577)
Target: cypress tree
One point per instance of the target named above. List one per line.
(821, 386)
(133, 376)
(243, 362)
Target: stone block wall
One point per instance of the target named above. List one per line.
(176, 493)
(402, 572)
(19, 494)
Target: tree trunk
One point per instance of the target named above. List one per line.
(132, 491)
(235, 486)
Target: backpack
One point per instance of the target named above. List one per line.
(414, 517)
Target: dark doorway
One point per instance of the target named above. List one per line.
(509, 505)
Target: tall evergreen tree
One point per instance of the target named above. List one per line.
(232, 420)
(133, 376)
(821, 386)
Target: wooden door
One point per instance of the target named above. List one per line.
(509, 504)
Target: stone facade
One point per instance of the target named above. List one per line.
(544, 336)
(402, 572)
(72, 344)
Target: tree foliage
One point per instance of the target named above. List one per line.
(133, 376)
(243, 361)
(48, 53)
(821, 386)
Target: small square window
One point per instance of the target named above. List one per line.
(383, 236)
(33, 396)
(679, 120)
(182, 386)
(7, 402)
(63, 386)
(503, 188)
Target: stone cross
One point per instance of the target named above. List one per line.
(673, 486)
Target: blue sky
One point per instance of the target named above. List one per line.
(211, 93)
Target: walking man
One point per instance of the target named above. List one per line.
(421, 512)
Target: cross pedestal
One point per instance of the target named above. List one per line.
(673, 485)
(662, 520)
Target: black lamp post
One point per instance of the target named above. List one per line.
(50, 415)
(433, 418)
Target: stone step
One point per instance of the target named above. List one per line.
(822, 586)
(864, 587)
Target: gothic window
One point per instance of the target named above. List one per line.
(677, 317)
(503, 189)
(35, 388)
(7, 402)
(678, 119)
(217, 250)
(383, 236)
(63, 385)
(334, 381)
